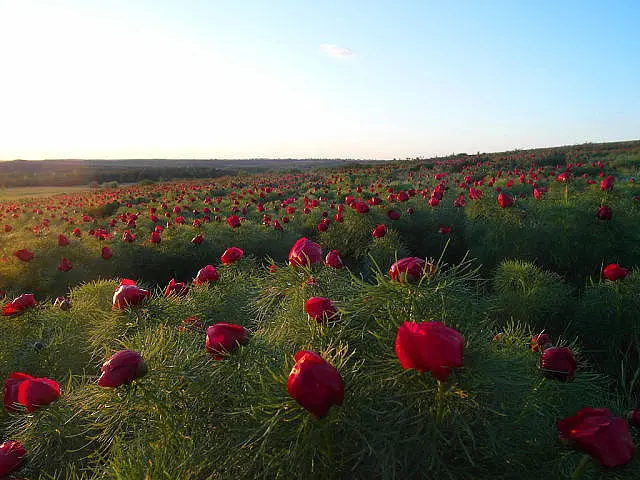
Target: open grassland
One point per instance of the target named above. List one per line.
(483, 300)
(19, 193)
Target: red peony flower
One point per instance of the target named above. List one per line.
(77, 232)
(443, 230)
(128, 237)
(206, 275)
(333, 260)
(604, 212)
(19, 304)
(224, 337)
(24, 255)
(28, 391)
(179, 289)
(305, 253)
(380, 231)
(409, 269)
(537, 193)
(123, 367)
(106, 253)
(314, 383)
(393, 215)
(65, 265)
(362, 207)
(128, 294)
(231, 255)
(540, 342)
(429, 346)
(198, 239)
(11, 457)
(559, 363)
(233, 221)
(320, 308)
(155, 237)
(62, 241)
(614, 272)
(597, 432)
(505, 200)
(606, 184)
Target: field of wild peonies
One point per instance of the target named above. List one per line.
(466, 317)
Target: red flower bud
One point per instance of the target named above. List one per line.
(429, 346)
(19, 304)
(614, 272)
(11, 457)
(28, 391)
(320, 308)
(24, 255)
(314, 383)
(65, 265)
(597, 432)
(559, 363)
(128, 294)
(505, 200)
(305, 253)
(198, 239)
(123, 367)
(410, 269)
(233, 221)
(231, 255)
(393, 215)
(224, 337)
(206, 275)
(333, 260)
(604, 213)
(380, 231)
(362, 207)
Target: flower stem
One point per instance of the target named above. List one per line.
(442, 387)
(582, 466)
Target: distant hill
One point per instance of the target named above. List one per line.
(72, 172)
(23, 173)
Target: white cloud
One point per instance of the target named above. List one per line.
(335, 51)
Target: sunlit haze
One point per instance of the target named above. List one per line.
(336, 79)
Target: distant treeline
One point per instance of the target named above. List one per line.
(66, 173)
(21, 173)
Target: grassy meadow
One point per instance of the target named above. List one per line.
(515, 245)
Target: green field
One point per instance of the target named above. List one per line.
(424, 365)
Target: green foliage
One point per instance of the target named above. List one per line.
(536, 297)
(195, 417)
(607, 319)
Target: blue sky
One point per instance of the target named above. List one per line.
(349, 79)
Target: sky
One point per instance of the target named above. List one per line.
(313, 79)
